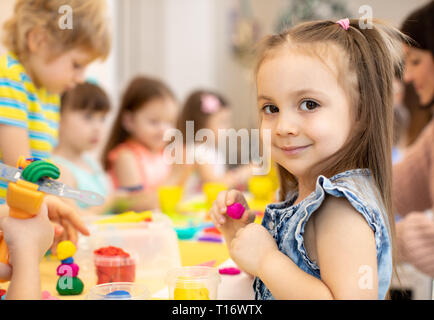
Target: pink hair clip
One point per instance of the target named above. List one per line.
(344, 23)
(210, 103)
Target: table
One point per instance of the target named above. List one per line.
(192, 253)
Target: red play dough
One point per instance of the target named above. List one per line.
(114, 265)
(111, 251)
(212, 230)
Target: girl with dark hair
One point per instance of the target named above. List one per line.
(207, 110)
(134, 153)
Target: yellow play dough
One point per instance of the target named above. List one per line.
(191, 294)
(65, 249)
(190, 290)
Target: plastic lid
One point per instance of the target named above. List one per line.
(116, 261)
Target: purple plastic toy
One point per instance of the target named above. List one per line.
(235, 211)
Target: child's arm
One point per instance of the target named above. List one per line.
(28, 240)
(412, 176)
(344, 248)
(14, 142)
(128, 175)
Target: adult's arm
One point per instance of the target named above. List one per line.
(413, 185)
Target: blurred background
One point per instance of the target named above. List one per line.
(206, 44)
(193, 44)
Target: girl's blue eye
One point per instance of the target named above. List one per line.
(270, 108)
(309, 105)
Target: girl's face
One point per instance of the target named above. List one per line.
(219, 120)
(304, 108)
(82, 129)
(148, 124)
(419, 70)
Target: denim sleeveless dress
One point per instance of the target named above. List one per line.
(286, 223)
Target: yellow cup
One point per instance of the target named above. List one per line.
(193, 283)
(261, 187)
(169, 197)
(211, 190)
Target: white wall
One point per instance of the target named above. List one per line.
(189, 44)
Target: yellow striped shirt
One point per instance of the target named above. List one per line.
(25, 106)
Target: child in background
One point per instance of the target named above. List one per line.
(330, 119)
(134, 152)
(83, 111)
(43, 61)
(207, 110)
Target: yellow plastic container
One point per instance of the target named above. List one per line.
(169, 197)
(193, 283)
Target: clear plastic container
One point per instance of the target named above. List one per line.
(153, 245)
(119, 291)
(115, 268)
(193, 283)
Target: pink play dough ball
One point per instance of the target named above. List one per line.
(230, 271)
(235, 211)
(70, 270)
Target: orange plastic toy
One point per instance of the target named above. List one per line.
(24, 201)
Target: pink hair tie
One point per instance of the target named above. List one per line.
(210, 103)
(344, 23)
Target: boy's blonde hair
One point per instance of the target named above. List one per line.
(89, 26)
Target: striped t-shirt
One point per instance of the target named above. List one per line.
(25, 106)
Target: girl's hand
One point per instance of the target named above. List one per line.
(65, 219)
(250, 247)
(28, 238)
(228, 226)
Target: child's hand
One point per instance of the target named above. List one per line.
(250, 247)
(225, 224)
(28, 239)
(66, 219)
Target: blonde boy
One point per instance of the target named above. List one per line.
(45, 58)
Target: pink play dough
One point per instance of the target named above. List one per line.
(230, 271)
(235, 211)
(70, 270)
